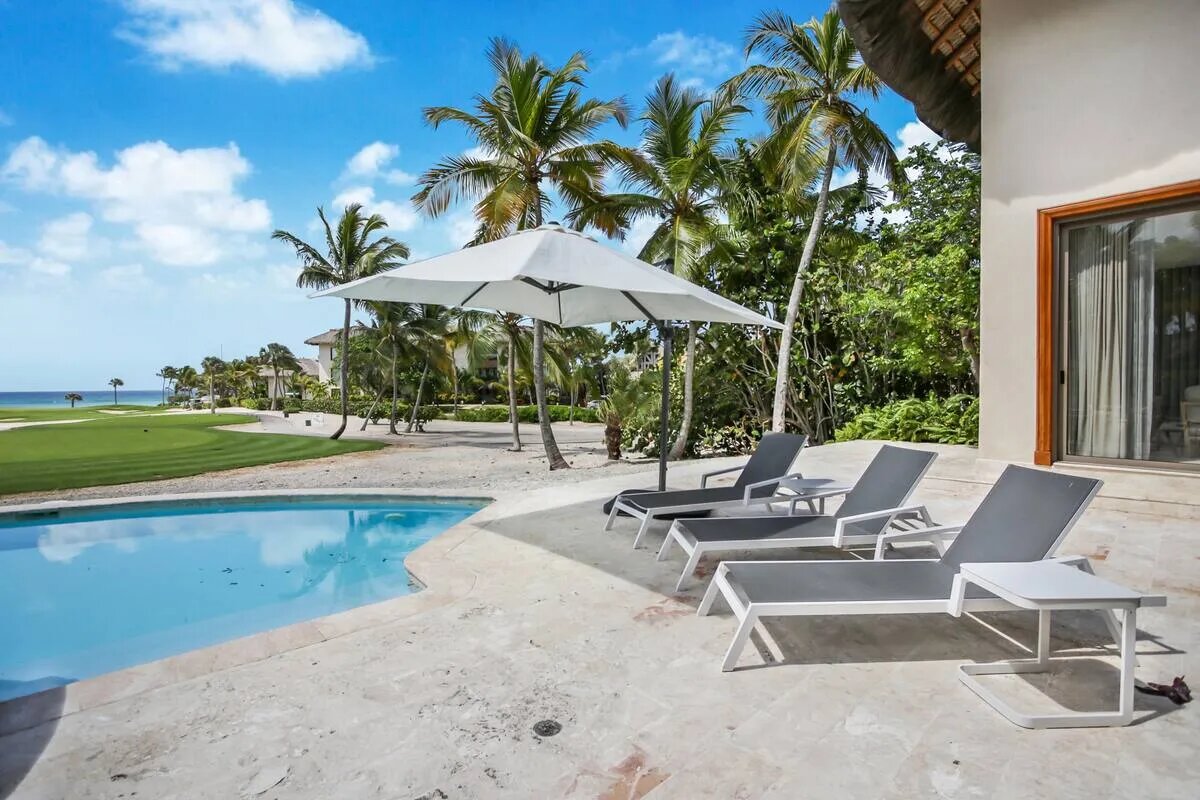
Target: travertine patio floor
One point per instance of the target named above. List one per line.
(533, 612)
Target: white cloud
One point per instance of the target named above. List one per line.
(399, 216)
(638, 234)
(68, 238)
(275, 36)
(693, 55)
(183, 205)
(48, 266)
(698, 61)
(398, 177)
(367, 162)
(12, 255)
(125, 277)
(460, 228)
(912, 134)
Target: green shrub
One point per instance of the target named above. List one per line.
(527, 414)
(950, 420)
(292, 406)
(253, 403)
(729, 440)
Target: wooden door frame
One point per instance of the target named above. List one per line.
(1048, 219)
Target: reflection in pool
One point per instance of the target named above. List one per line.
(88, 594)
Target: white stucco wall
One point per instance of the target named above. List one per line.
(1081, 99)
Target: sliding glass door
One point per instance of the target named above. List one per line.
(1129, 384)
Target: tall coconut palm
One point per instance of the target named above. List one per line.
(73, 398)
(535, 133)
(675, 179)
(212, 368)
(280, 359)
(810, 79)
(115, 383)
(167, 374)
(414, 333)
(350, 254)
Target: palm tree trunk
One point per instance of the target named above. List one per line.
(454, 378)
(416, 409)
(212, 398)
(114, 394)
(969, 346)
(395, 396)
(512, 393)
(539, 387)
(793, 309)
(571, 395)
(345, 373)
(689, 375)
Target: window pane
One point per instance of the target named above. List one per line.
(1132, 357)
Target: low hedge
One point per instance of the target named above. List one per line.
(949, 420)
(527, 414)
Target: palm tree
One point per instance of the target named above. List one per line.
(809, 80)
(280, 359)
(350, 254)
(675, 178)
(211, 367)
(167, 374)
(417, 333)
(186, 378)
(73, 397)
(535, 132)
(626, 396)
(115, 382)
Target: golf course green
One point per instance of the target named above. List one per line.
(107, 449)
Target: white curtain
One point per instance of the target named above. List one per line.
(1110, 335)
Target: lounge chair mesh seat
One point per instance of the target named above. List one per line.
(769, 463)
(776, 582)
(886, 483)
(1022, 518)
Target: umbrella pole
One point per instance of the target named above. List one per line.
(666, 334)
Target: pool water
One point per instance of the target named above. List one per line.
(90, 593)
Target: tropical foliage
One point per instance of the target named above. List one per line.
(350, 253)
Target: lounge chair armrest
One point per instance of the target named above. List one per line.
(704, 478)
(888, 514)
(796, 499)
(750, 487)
(938, 536)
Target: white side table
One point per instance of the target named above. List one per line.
(806, 490)
(1046, 586)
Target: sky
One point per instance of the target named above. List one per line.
(149, 147)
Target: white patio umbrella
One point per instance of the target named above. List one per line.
(557, 275)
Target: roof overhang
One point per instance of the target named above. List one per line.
(929, 52)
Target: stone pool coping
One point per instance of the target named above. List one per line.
(35, 709)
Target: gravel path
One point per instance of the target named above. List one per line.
(472, 457)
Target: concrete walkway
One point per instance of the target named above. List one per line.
(532, 613)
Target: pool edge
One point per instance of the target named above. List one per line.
(48, 705)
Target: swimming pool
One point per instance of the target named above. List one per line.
(84, 592)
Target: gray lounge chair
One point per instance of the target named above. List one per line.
(1024, 517)
(757, 484)
(870, 507)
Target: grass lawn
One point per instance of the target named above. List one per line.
(89, 412)
(115, 449)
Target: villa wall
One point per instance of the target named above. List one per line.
(1081, 99)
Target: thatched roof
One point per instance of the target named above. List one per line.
(929, 52)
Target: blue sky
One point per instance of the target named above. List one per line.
(149, 147)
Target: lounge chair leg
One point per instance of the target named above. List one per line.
(612, 516)
(666, 545)
(637, 540)
(690, 567)
(710, 595)
(739, 641)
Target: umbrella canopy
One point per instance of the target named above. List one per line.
(557, 275)
(553, 274)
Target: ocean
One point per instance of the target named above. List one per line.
(96, 397)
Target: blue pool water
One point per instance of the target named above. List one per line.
(87, 594)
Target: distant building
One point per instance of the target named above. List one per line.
(308, 366)
(325, 344)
